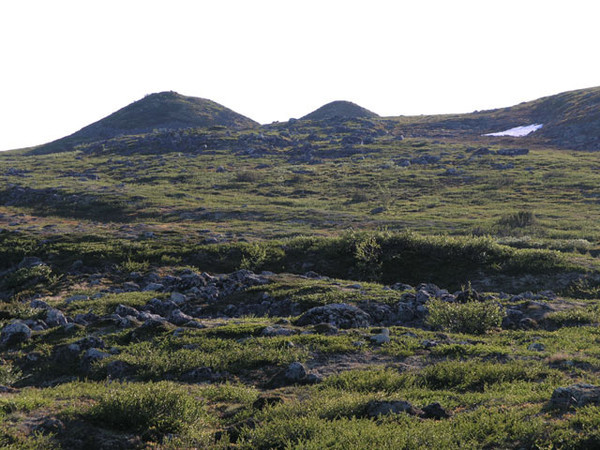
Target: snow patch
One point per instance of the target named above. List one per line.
(518, 131)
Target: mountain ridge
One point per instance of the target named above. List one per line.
(571, 120)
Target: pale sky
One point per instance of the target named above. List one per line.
(65, 64)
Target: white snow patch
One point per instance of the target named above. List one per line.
(518, 131)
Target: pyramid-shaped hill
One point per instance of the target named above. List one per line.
(162, 111)
(340, 109)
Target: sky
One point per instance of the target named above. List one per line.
(65, 64)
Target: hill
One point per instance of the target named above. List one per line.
(160, 111)
(570, 120)
(340, 109)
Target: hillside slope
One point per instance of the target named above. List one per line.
(164, 110)
(570, 120)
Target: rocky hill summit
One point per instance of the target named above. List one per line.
(160, 111)
(340, 109)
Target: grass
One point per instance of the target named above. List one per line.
(502, 223)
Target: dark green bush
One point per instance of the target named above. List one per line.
(471, 317)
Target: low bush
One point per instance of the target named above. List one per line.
(472, 317)
(155, 407)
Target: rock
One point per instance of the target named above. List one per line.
(55, 318)
(379, 312)
(119, 370)
(381, 338)
(405, 312)
(401, 287)
(76, 298)
(263, 401)
(130, 286)
(278, 331)
(467, 295)
(179, 318)
(124, 311)
(325, 328)
(295, 372)
(200, 375)
(90, 342)
(39, 304)
(376, 408)
(50, 425)
(512, 151)
(341, 315)
(194, 324)
(153, 287)
(424, 296)
(91, 356)
(178, 298)
(528, 324)
(14, 333)
(30, 261)
(575, 396)
(313, 378)
(427, 343)
(435, 411)
(66, 354)
(536, 347)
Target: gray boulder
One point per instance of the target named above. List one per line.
(575, 396)
(179, 318)
(377, 408)
(124, 311)
(341, 315)
(296, 372)
(14, 332)
(55, 318)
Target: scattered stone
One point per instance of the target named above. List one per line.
(14, 333)
(39, 304)
(277, 330)
(124, 311)
(528, 324)
(179, 318)
(435, 411)
(325, 328)
(536, 347)
(50, 425)
(194, 324)
(30, 261)
(91, 356)
(178, 298)
(341, 315)
(575, 396)
(119, 370)
(153, 287)
(427, 343)
(55, 318)
(376, 408)
(263, 401)
(296, 372)
(512, 151)
(382, 338)
(76, 298)
(200, 375)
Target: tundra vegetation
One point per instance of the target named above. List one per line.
(329, 282)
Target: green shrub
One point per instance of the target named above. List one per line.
(471, 317)
(519, 219)
(162, 407)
